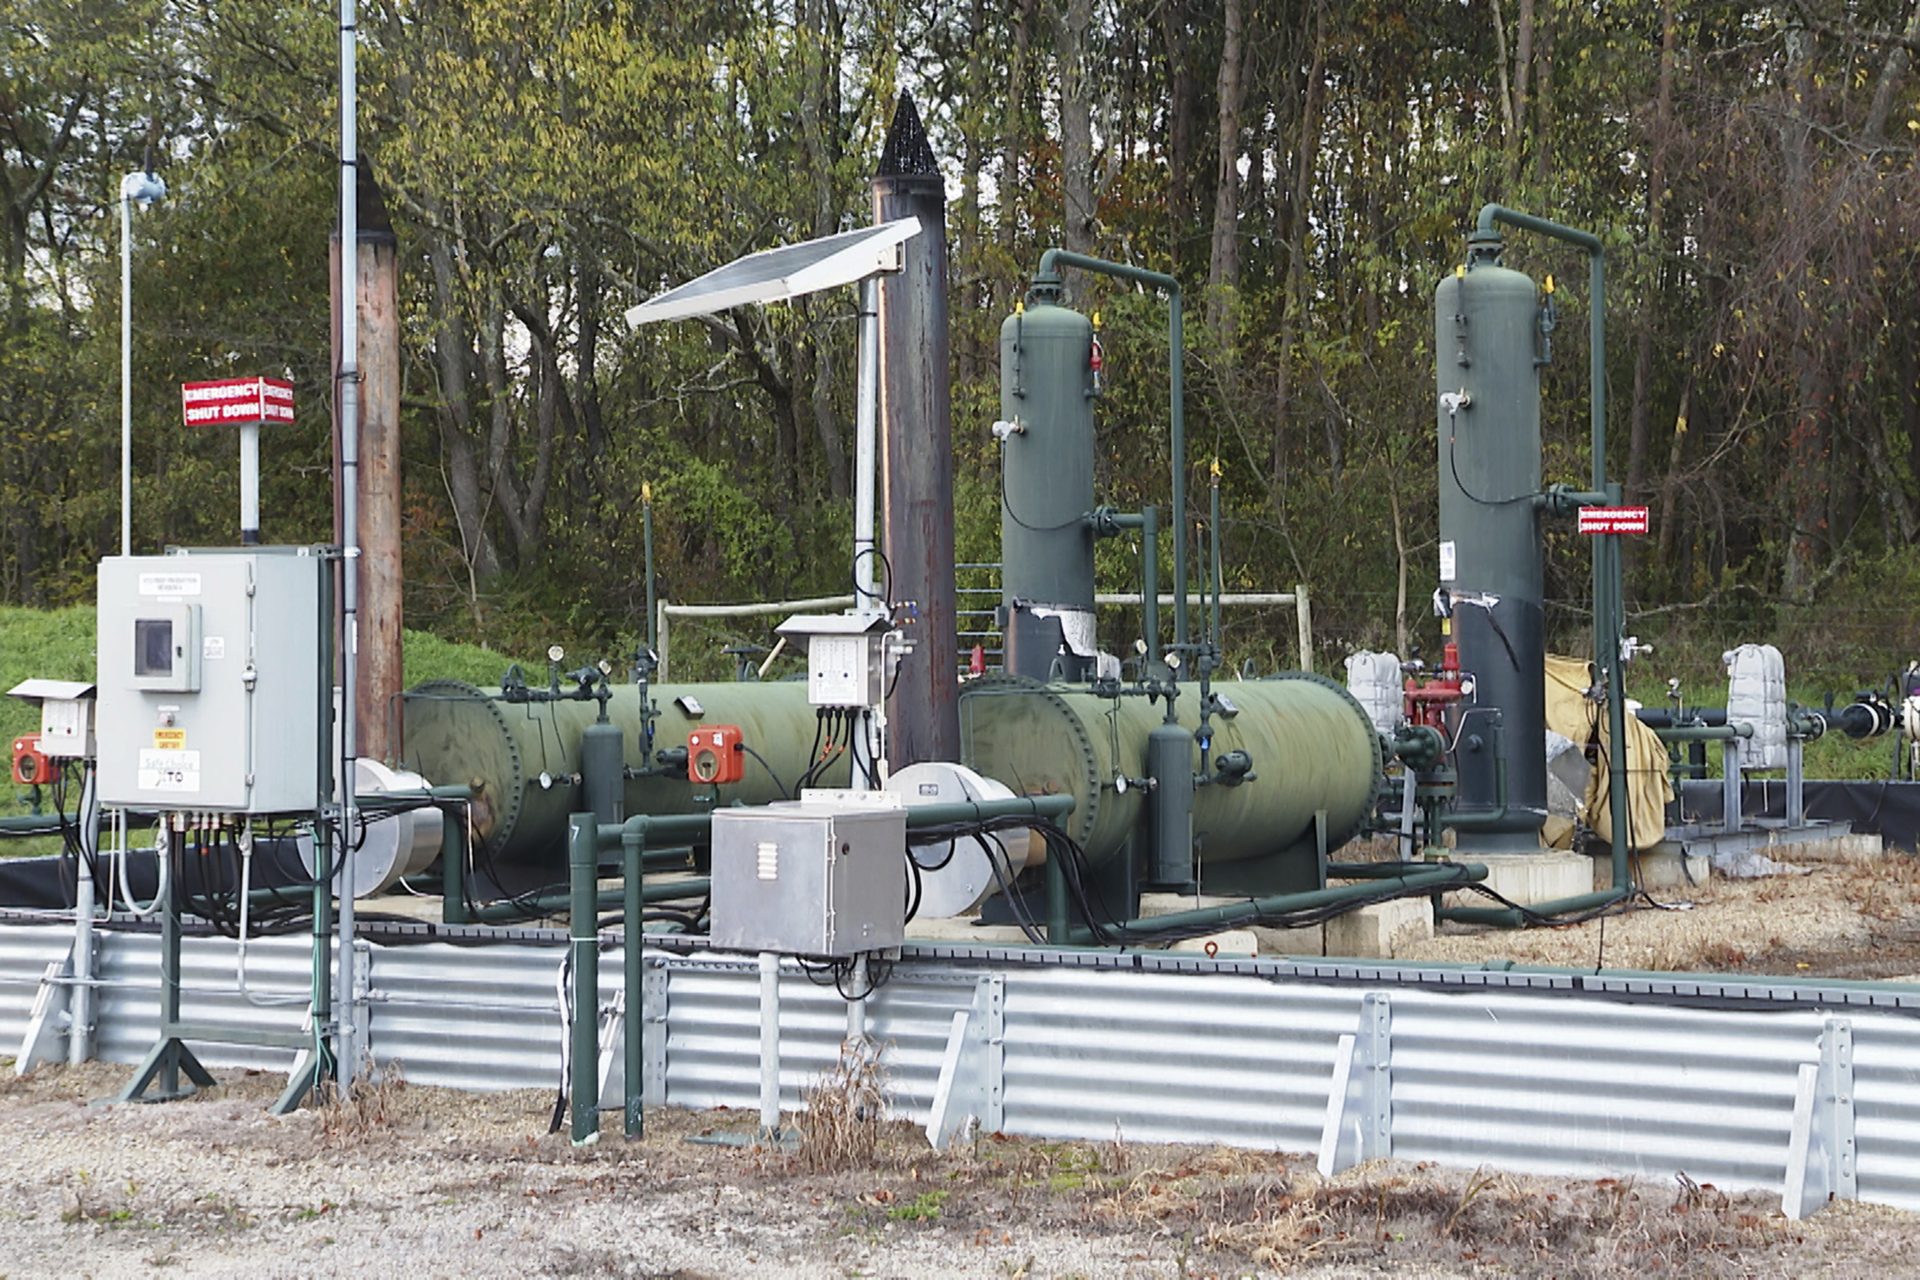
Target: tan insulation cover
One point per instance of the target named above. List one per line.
(1649, 789)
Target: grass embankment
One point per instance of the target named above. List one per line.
(58, 644)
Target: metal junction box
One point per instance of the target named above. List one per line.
(810, 879)
(209, 682)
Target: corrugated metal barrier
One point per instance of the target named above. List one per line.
(1579, 1074)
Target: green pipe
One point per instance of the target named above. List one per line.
(1050, 263)
(453, 873)
(646, 542)
(1213, 539)
(533, 906)
(1514, 917)
(583, 940)
(1374, 870)
(633, 871)
(1705, 732)
(1484, 817)
(1233, 914)
(1609, 604)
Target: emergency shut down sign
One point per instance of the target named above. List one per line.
(1613, 519)
(240, 402)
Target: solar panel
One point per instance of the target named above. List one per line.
(774, 275)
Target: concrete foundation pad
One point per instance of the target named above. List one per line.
(1381, 931)
(1666, 866)
(1528, 878)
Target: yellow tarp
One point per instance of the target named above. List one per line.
(1649, 790)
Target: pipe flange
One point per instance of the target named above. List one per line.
(1086, 809)
(494, 816)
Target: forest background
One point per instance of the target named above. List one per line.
(1306, 168)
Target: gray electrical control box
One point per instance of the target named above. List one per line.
(210, 691)
(810, 878)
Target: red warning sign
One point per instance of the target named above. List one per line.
(1613, 519)
(236, 402)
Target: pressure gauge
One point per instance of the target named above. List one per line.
(555, 653)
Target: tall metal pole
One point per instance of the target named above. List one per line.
(348, 386)
(865, 444)
(126, 372)
(146, 188)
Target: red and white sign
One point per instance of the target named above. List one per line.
(1613, 519)
(236, 402)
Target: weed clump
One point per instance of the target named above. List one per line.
(845, 1107)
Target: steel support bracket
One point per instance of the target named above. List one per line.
(971, 1087)
(612, 1077)
(50, 1022)
(1821, 1163)
(1359, 1122)
(653, 1006)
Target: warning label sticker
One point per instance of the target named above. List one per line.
(169, 584)
(169, 770)
(1448, 561)
(169, 739)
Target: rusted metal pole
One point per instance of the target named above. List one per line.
(380, 614)
(916, 458)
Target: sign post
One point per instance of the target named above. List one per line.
(246, 402)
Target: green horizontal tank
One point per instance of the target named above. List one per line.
(1313, 753)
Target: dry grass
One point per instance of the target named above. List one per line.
(370, 1110)
(1285, 1219)
(841, 1127)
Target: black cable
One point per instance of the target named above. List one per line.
(785, 794)
(885, 595)
(1454, 466)
(1007, 506)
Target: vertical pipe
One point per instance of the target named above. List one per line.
(453, 870)
(169, 964)
(646, 543)
(865, 446)
(1150, 581)
(347, 1061)
(1616, 705)
(1303, 618)
(250, 484)
(1177, 449)
(857, 1007)
(769, 1044)
(916, 455)
(324, 830)
(81, 1023)
(633, 871)
(583, 935)
(126, 371)
(1213, 542)
(1059, 931)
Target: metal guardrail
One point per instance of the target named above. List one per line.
(1729, 1080)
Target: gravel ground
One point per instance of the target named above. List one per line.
(413, 1181)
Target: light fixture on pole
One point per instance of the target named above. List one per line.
(146, 188)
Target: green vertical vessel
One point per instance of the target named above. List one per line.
(1488, 350)
(1046, 543)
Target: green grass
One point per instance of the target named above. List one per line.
(58, 644)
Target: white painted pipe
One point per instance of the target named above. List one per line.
(250, 484)
(866, 448)
(769, 1044)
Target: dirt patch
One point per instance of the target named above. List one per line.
(431, 1182)
(1850, 919)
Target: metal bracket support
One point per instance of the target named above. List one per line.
(612, 1098)
(50, 1021)
(653, 1006)
(1359, 1123)
(971, 1087)
(1821, 1162)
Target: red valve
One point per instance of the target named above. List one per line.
(1427, 701)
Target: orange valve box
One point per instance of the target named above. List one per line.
(31, 768)
(716, 754)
